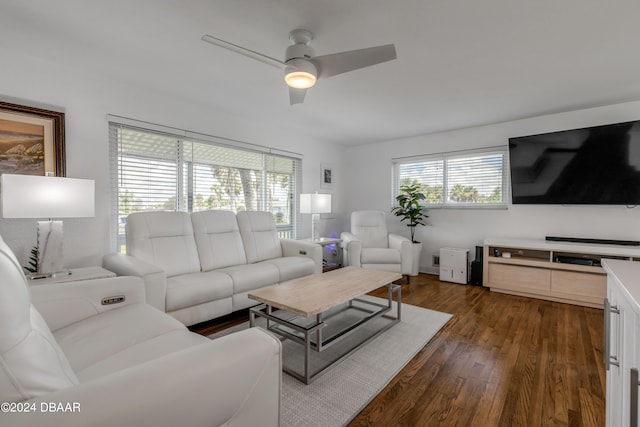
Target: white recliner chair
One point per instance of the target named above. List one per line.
(68, 360)
(370, 245)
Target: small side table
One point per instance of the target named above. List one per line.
(82, 273)
(334, 247)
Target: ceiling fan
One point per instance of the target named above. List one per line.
(302, 68)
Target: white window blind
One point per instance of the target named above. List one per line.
(428, 173)
(154, 170)
(460, 179)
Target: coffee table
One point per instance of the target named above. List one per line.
(321, 310)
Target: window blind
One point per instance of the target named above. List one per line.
(461, 179)
(153, 170)
(475, 179)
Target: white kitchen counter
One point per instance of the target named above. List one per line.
(627, 273)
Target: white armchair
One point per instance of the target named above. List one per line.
(68, 359)
(370, 245)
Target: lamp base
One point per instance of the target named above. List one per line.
(50, 258)
(315, 221)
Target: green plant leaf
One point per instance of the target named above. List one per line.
(409, 208)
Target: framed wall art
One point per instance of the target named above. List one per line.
(327, 176)
(31, 140)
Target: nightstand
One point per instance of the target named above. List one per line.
(82, 273)
(331, 252)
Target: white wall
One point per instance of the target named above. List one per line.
(86, 101)
(369, 178)
(366, 183)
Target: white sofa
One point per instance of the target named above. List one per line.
(68, 360)
(200, 266)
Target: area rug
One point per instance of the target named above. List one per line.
(337, 396)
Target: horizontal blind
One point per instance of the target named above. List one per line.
(475, 179)
(470, 178)
(147, 171)
(282, 174)
(429, 174)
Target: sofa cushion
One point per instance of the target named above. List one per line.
(383, 267)
(141, 352)
(164, 239)
(31, 362)
(218, 239)
(107, 334)
(292, 267)
(259, 235)
(196, 288)
(380, 256)
(370, 227)
(248, 277)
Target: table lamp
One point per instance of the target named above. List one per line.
(33, 196)
(315, 204)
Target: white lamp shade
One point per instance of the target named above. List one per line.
(315, 203)
(33, 196)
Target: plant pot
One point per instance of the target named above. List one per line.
(415, 262)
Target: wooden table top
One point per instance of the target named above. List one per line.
(311, 295)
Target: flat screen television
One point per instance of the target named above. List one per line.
(598, 165)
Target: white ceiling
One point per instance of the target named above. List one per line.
(460, 63)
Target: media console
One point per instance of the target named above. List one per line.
(567, 272)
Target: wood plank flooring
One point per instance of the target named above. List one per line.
(501, 360)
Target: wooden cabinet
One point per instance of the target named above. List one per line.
(556, 271)
(621, 351)
(519, 278)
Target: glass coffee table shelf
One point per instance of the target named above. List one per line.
(343, 321)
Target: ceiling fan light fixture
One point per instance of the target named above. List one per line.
(300, 74)
(300, 79)
(302, 68)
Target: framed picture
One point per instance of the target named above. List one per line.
(31, 140)
(326, 175)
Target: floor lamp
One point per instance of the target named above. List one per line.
(315, 204)
(33, 196)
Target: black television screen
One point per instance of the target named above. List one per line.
(599, 165)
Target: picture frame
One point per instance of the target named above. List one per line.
(31, 140)
(327, 177)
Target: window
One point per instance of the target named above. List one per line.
(459, 179)
(157, 170)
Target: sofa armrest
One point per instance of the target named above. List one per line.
(351, 249)
(62, 304)
(234, 380)
(405, 246)
(155, 278)
(302, 248)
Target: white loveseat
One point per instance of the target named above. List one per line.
(68, 360)
(200, 266)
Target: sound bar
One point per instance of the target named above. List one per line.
(594, 241)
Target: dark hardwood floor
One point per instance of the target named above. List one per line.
(501, 360)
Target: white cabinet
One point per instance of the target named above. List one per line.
(622, 344)
(453, 265)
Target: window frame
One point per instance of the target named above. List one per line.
(269, 163)
(445, 157)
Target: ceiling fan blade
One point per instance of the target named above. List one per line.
(243, 51)
(296, 96)
(338, 63)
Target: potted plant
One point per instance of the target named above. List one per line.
(409, 210)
